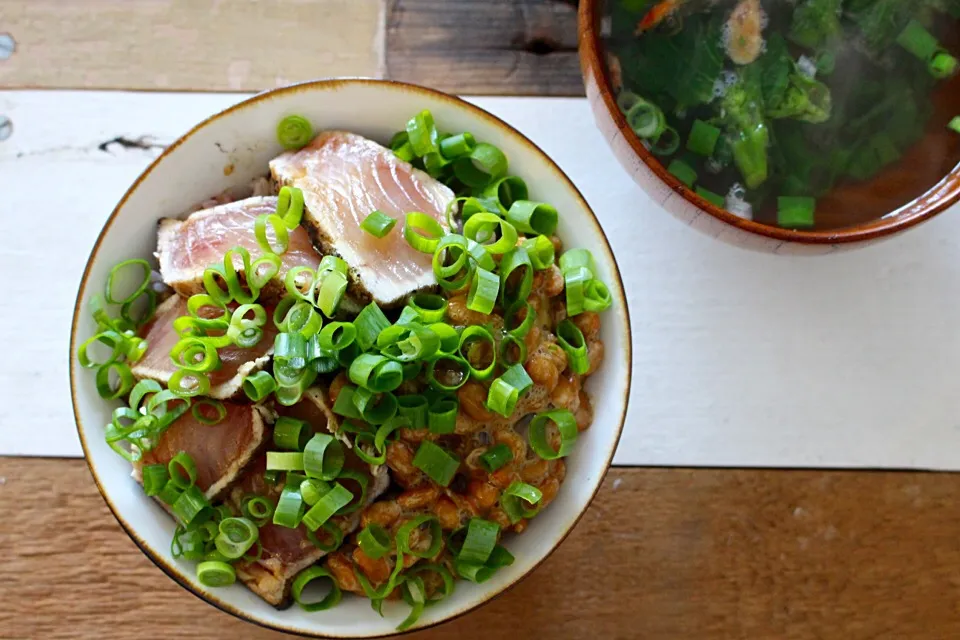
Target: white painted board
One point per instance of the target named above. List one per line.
(741, 359)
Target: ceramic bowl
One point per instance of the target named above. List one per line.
(233, 147)
(865, 200)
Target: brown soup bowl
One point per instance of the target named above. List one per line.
(864, 207)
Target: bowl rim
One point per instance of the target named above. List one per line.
(332, 84)
(593, 65)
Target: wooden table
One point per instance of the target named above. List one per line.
(662, 553)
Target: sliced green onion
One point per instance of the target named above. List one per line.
(113, 390)
(376, 372)
(214, 573)
(259, 385)
(473, 338)
(169, 494)
(330, 288)
(482, 228)
(703, 138)
(498, 559)
(646, 119)
(364, 442)
(918, 41)
(510, 322)
(422, 232)
(438, 463)
(290, 434)
(387, 429)
(229, 273)
(567, 427)
(683, 171)
(515, 262)
(480, 541)
(285, 461)
(345, 405)
(294, 132)
(715, 199)
(378, 224)
(575, 281)
(374, 541)
(360, 499)
(571, 339)
(190, 504)
(596, 296)
(112, 339)
(483, 291)
(182, 470)
(513, 350)
(214, 405)
(955, 124)
(375, 408)
(311, 490)
(413, 408)
(454, 366)
(289, 510)
(794, 212)
(484, 165)
(195, 355)
(155, 477)
(281, 237)
(337, 335)
(422, 134)
(408, 316)
(258, 277)
(290, 206)
(449, 337)
(430, 307)
(442, 417)
(115, 274)
(328, 505)
(237, 535)
(336, 537)
(456, 146)
(408, 343)
(257, 508)
(450, 261)
(414, 594)
(405, 531)
(667, 143)
(323, 457)
(496, 457)
(515, 496)
(307, 576)
(188, 544)
(533, 217)
(369, 323)
(505, 192)
(540, 250)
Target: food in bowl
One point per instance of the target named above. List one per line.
(316, 392)
(814, 114)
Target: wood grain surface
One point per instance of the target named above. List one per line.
(480, 47)
(660, 554)
(193, 45)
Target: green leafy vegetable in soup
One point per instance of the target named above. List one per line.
(807, 96)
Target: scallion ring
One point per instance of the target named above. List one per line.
(520, 501)
(335, 534)
(323, 457)
(541, 251)
(203, 406)
(237, 535)
(516, 276)
(213, 573)
(453, 374)
(477, 343)
(439, 464)
(374, 541)
(533, 217)
(483, 291)
(115, 274)
(290, 206)
(307, 576)
(294, 132)
(485, 164)
(482, 228)
(422, 232)
(406, 531)
(329, 504)
(259, 385)
(281, 236)
(566, 426)
(571, 340)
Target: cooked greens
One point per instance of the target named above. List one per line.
(839, 90)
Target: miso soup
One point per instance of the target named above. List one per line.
(806, 114)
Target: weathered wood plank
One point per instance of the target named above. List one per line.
(194, 45)
(661, 554)
(478, 47)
